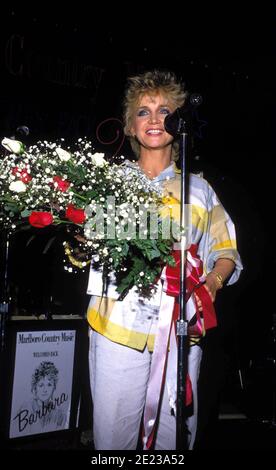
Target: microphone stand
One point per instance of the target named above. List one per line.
(5, 299)
(182, 324)
(176, 124)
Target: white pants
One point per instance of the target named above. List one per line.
(119, 377)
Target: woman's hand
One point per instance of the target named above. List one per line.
(211, 289)
(212, 286)
(215, 278)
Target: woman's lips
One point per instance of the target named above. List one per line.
(154, 131)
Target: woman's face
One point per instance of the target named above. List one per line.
(44, 389)
(148, 121)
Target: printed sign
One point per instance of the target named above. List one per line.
(41, 399)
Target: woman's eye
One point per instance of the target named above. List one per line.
(142, 112)
(164, 111)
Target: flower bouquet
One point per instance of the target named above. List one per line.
(115, 208)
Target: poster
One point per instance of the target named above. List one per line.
(42, 381)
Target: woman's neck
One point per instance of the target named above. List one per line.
(152, 164)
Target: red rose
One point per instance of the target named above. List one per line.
(75, 215)
(23, 174)
(63, 185)
(40, 219)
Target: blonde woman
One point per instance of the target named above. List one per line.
(127, 335)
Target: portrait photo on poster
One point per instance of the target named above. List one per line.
(42, 382)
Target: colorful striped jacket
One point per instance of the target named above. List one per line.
(132, 321)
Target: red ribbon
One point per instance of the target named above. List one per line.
(194, 272)
(194, 278)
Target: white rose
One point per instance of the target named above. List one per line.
(98, 159)
(63, 154)
(18, 187)
(13, 146)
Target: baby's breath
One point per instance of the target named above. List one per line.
(112, 208)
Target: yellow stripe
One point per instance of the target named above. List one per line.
(225, 244)
(172, 209)
(116, 333)
(150, 342)
(199, 218)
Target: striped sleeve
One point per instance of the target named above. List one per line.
(221, 237)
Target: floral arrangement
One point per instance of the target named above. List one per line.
(114, 208)
(46, 184)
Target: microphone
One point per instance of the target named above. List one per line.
(23, 130)
(20, 132)
(172, 121)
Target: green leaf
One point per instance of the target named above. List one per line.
(25, 213)
(11, 207)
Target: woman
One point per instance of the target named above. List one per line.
(126, 334)
(44, 413)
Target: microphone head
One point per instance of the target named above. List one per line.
(23, 130)
(172, 122)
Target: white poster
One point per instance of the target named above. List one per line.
(42, 385)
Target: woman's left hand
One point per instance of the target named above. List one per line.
(215, 278)
(211, 286)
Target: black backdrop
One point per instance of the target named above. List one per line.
(63, 75)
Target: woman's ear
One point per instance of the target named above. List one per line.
(132, 131)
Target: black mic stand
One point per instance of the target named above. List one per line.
(4, 296)
(176, 124)
(273, 360)
(182, 324)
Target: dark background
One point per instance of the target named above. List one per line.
(63, 74)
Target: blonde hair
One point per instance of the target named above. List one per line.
(152, 83)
